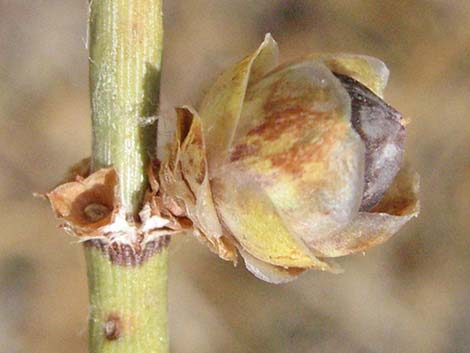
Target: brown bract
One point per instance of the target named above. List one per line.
(88, 208)
(88, 203)
(184, 181)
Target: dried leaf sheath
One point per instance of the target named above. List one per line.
(88, 208)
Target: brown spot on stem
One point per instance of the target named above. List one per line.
(112, 327)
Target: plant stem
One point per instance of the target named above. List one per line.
(125, 58)
(128, 312)
(128, 305)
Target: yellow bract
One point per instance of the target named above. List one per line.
(370, 71)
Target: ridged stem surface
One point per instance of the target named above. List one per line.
(128, 304)
(125, 44)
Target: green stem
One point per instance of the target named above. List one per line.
(125, 42)
(128, 305)
(128, 312)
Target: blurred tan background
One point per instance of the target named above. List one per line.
(410, 295)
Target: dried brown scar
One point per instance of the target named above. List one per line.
(112, 328)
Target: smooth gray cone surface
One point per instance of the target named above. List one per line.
(380, 128)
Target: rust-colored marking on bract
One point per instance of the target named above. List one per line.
(244, 150)
(278, 123)
(292, 160)
(298, 156)
(298, 128)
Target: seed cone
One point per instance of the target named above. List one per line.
(292, 164)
